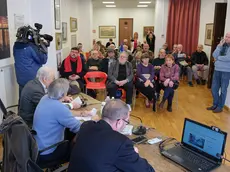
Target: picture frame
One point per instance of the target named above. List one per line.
(57, 14)
(58, 37)
(73, 40)
(146, 29)
(107, 31)
(59, 60)
(208, 34)
(73, 24)
(64, 31)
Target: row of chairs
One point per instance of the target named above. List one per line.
(101, 85)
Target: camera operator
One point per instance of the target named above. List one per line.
(30, 53)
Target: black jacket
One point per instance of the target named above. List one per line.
(30, 97)
(20, 150)
(101, 149)
(199, 58)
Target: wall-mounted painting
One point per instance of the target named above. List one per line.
(57, 14)
(73, 24)
(107, 31)
(73, 40)
(64, 31)
(146, 29)
(208, 34)
(58, 37)
(4, 31)
(59, 60)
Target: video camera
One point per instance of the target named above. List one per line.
(28, 34)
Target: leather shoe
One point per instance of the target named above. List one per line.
(211, 108)
(169, 108)
(217, 110)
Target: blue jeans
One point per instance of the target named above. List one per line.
(168, 94)
(220, 83)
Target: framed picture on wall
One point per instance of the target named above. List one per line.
(208, 34)
(146, 29)
(73, 40)
(107, 31)
(64, 31)
(4, 31)
(57, 14)
(58, 37)
(73, 24)
(59, 60)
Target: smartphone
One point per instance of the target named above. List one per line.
(140, 139)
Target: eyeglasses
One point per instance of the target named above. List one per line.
(127, 122)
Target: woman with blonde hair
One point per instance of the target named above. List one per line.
(169, 77)
(134, 42)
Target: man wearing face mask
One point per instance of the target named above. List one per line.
(120, 75)
(109, 151)
(74, 68)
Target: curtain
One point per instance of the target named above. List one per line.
(183, 24)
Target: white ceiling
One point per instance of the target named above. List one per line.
(122, 3)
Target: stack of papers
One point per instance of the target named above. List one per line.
(93, 112)
(127, 130)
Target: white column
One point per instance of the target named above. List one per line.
(161, 20)
(85, 23)
(44, 14)
(227, 29)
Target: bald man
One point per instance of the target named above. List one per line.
(200, 63)
(221, 74)
(93, 62)
(100, 147)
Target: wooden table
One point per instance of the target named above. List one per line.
(149, 152)
(159, 162)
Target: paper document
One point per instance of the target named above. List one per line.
(127, 130)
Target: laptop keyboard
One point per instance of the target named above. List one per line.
(199, 161)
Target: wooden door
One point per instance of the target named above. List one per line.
(125, 29)
(218, 34)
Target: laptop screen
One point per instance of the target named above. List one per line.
(203, 138)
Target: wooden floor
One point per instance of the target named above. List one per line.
(192, 103)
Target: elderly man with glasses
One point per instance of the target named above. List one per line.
(100, 147)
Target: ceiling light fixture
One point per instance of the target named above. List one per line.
(110, 6)
(145, 2)
(108, 2)
(142, 6)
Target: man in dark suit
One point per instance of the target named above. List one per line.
(33, 91)
(106, 62)
(101, 148)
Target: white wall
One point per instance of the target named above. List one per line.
(161, 21)
(110, 16)
(206, 16)
(69, 8)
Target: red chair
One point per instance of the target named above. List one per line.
(93, 84)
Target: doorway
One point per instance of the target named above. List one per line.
(125, 29)
(218, 34)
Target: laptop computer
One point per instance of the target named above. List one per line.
(201, 147)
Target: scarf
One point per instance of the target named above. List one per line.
(67, 64)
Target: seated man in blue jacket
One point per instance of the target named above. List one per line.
(28, 59)
(101, 148)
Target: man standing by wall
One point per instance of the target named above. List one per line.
(221, 74)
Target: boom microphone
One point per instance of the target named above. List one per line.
(48, 37)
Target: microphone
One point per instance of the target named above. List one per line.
(222, 157)
(48, 37)
(140, 130)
